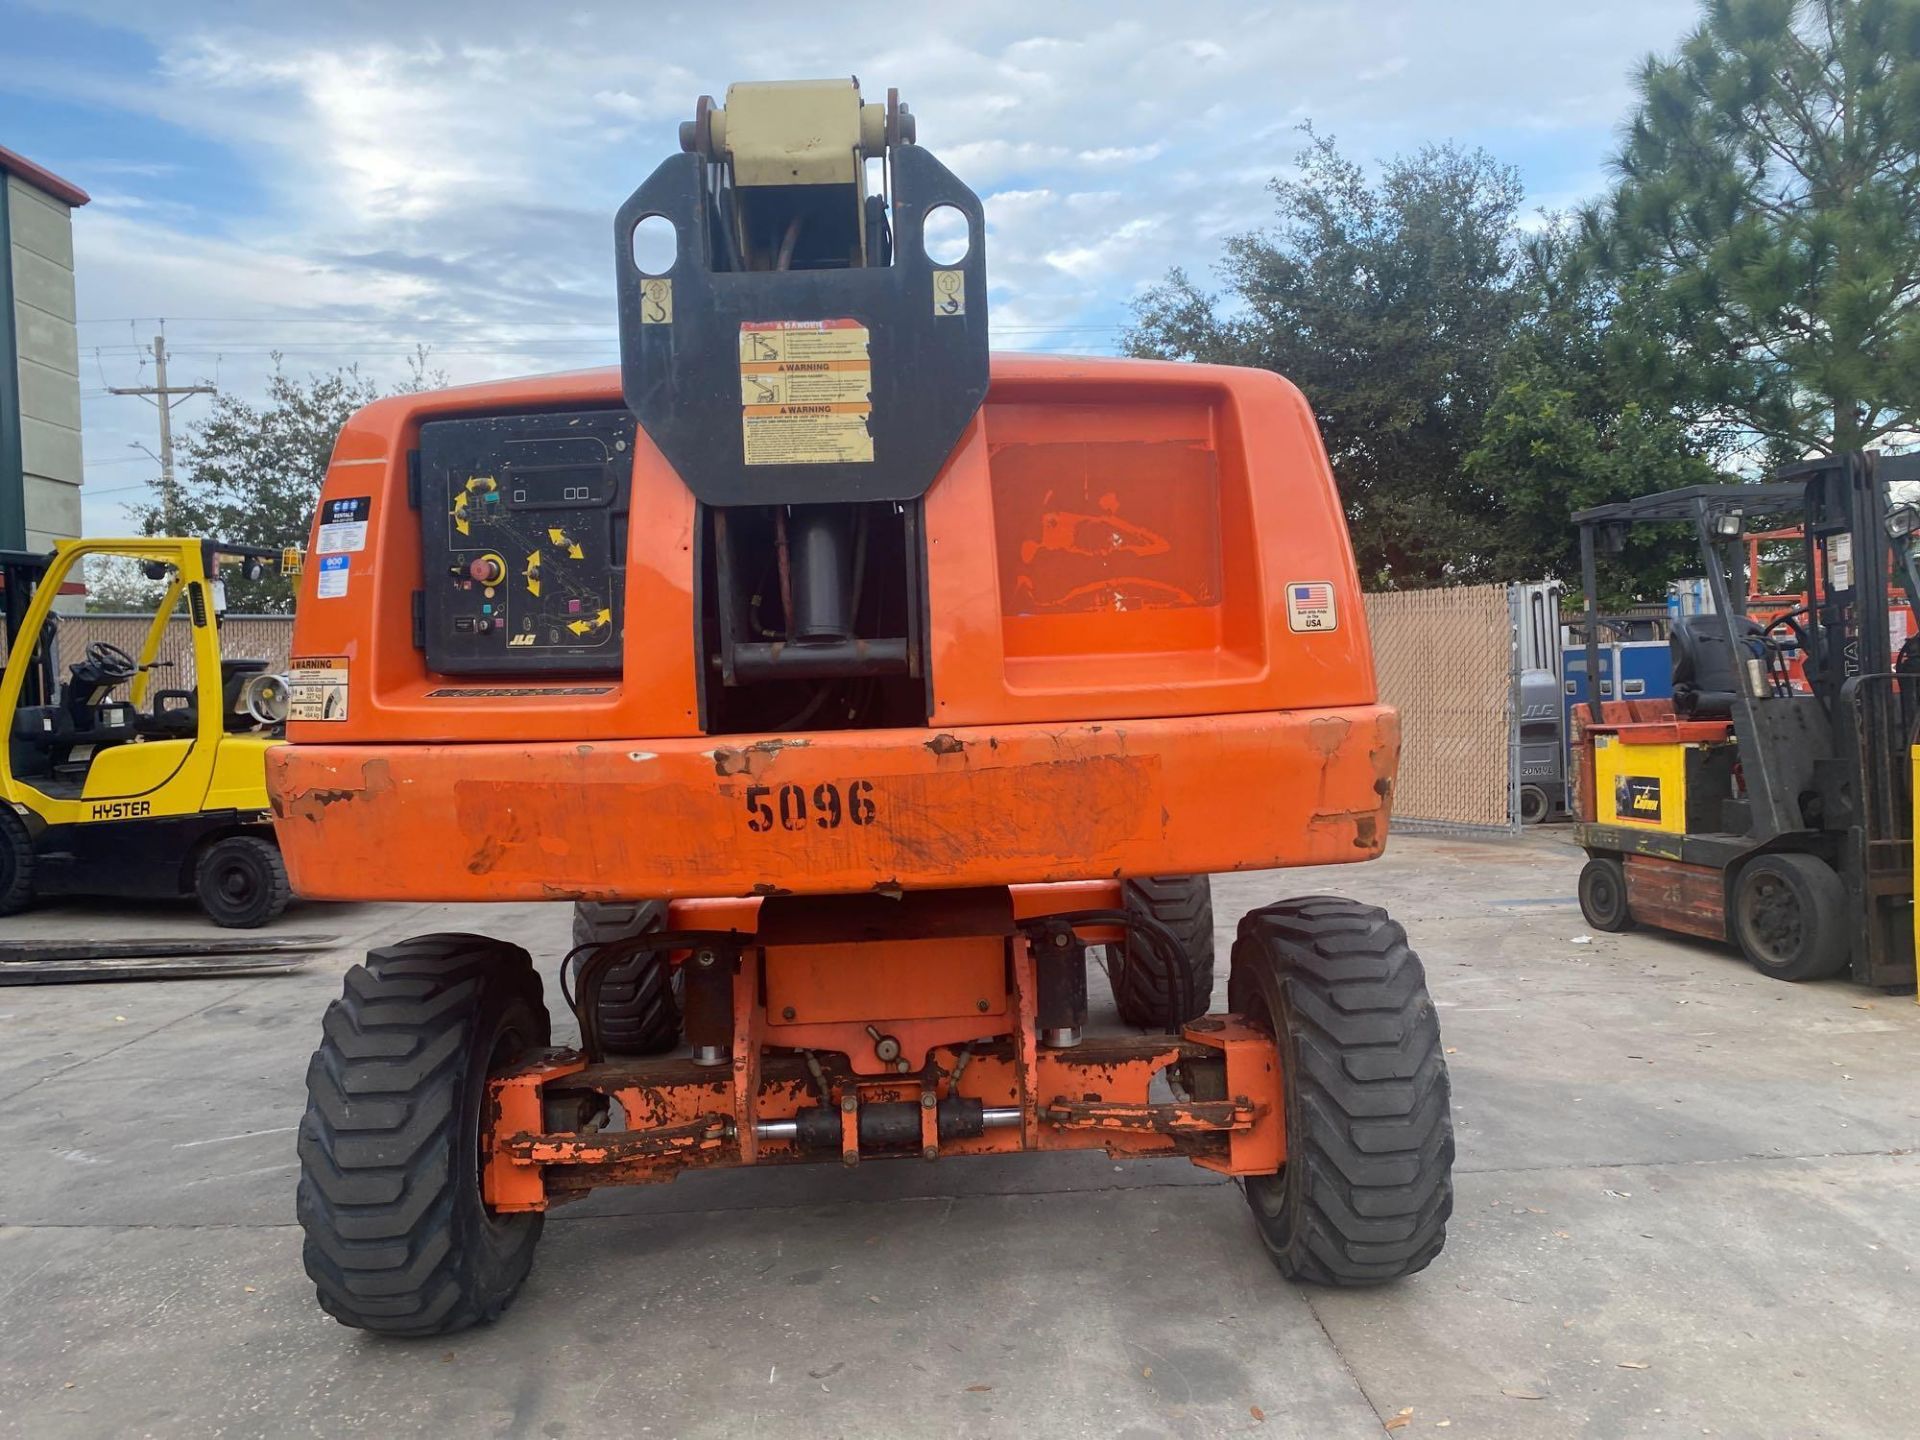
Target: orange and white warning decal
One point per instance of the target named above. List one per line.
(317, 687)
(806, 392)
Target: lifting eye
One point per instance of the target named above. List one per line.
(945, 235)
(656, 244)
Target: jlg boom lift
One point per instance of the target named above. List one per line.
(885, 667)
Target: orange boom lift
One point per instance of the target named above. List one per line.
(856, 687)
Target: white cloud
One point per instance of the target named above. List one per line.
(404, 186)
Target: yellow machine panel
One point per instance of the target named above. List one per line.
(1641, 785)
(240, 773)
(135, 778)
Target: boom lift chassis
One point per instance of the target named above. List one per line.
(993, 1056)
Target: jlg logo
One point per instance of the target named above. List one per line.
(526, 639)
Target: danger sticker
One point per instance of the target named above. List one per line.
(806, 392)
(317, 687)
(1310, 606)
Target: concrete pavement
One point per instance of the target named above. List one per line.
(1688, 1203)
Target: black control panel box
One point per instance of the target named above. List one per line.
(523, 526)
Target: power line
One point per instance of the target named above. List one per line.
(161, 394)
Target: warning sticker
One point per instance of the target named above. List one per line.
(807, 434)
(317, 687)
(806, 392)
(1310, 606)
(805, 382)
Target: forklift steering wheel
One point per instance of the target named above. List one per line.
(1788, 622)
(111, 661)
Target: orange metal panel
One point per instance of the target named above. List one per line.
(966, 807)
(901, 980)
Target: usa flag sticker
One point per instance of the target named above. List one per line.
(1310, 606)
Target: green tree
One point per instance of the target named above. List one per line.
(1577, 421)
(1389, 304)
(1769, 200)
(252, 471)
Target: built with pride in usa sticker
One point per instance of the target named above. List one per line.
(1310, 606)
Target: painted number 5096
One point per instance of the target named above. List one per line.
(826, 806)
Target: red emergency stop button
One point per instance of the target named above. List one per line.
(488, 570)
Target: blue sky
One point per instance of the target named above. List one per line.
(340, 182)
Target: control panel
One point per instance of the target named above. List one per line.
(523, 525)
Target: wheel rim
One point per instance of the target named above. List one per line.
(1772, 919)
(236, 883)
(1533, 806)
(1603, 894)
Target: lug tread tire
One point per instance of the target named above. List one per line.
(1143, 988)
(266, 905)
(16, 864)
(397, 1238)
(1367, 1188)
(639, 1009)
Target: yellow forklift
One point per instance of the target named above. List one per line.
(1768, 803)
(114, 781)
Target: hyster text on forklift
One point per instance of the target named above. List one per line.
(866, 683)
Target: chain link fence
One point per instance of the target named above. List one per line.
(254, 637)
(1445, 658)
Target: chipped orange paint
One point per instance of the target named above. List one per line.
(672, 818)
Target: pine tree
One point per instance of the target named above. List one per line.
(1769, 203)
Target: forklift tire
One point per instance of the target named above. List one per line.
(16, 864)
(1790, 917)
(639, 1008)
(398, 1236)
(1603, 895)
(1534, 805)
(1367, 1186)
(241, 882)
(1143, 987)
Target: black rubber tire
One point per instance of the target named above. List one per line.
(1143, 987)
(639, 1010)
(1535, 806)
(241, 882)
(1367, 1187)
(398, 1238)
(16, 864)
(1603, 895)
(1789, 917)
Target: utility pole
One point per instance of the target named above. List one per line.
(162, 395)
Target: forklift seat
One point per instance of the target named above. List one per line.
(1708, 676)
(39, 733)
(175, 716)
